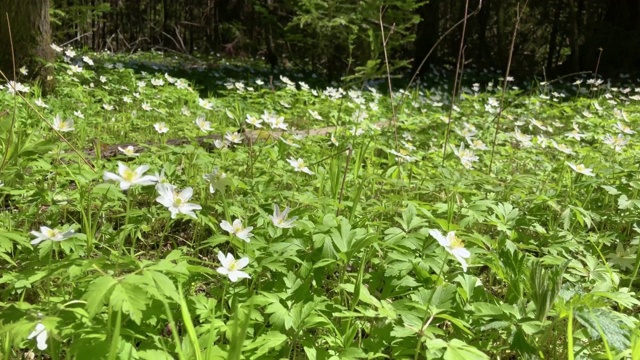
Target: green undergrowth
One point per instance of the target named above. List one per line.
(397, 233)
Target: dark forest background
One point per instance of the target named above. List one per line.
(344, 37)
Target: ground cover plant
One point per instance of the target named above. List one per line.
(396, 231)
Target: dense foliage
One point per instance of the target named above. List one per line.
(351, 237)
(554, 36)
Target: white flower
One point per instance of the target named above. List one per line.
(217, 180)
(41, 103)
(203, 124)
(75, 68)
(185, 111)
(287, 81)
(624, 128)
(14, 87)
(157, 82)
(107, 107)
(78, 114)
(477, 144)
(575, 134)
(280, 220)
(251, 120)
(235, 137)
(40, 333)
(161, 127)
(87, 60)
(299, 165)
(466, 156)
(62, 125)
(146, 107)
(563, 148)
(237, 229)
(580, 168)
(205, 104)
(617, 143)
(55, 47)
(274, 121)
(169, 78)
(129, 151)
(50, 234)
(103, 79)
(314, 114)
(219, 144)
(23, 70)
(232, 268)
(289, 142)
(70, 53)
(128, 177)
(524, 139)
(177, 203)
(453, 245)
(333, 139)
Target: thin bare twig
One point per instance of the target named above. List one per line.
(415, 74)
(76, 38)
(17, 93)
(454, 91)
(13, 120)
(386, 62)
(506, 80)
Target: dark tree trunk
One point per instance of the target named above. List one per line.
(574, 18)
(31, 33)
(553, 37)
(426, 32)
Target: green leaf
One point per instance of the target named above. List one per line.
(154, 355)
(457, 349)
(96, 292)
(520, 343)
(130, 298)
(264, 343)
(161, 286)
(601, 321)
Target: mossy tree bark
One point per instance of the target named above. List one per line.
(31, 35)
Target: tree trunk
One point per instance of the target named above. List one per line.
(426, 33)
(553, 37)
(574, 34)
(31, 33)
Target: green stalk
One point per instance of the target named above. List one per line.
(188, 324)
(174, 331)
(115, 339)
(427, 312)
(570, 353)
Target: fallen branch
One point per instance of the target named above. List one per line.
(250, 137)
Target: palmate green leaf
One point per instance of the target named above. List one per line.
(458, 349)
(602, 321)
(623, 299)
(409, 219)
(280, 316)
(160, 286)
(155, 354)
(624, 203)
(520, 343)
(97, 291)
(261, 345)
(130, 298)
